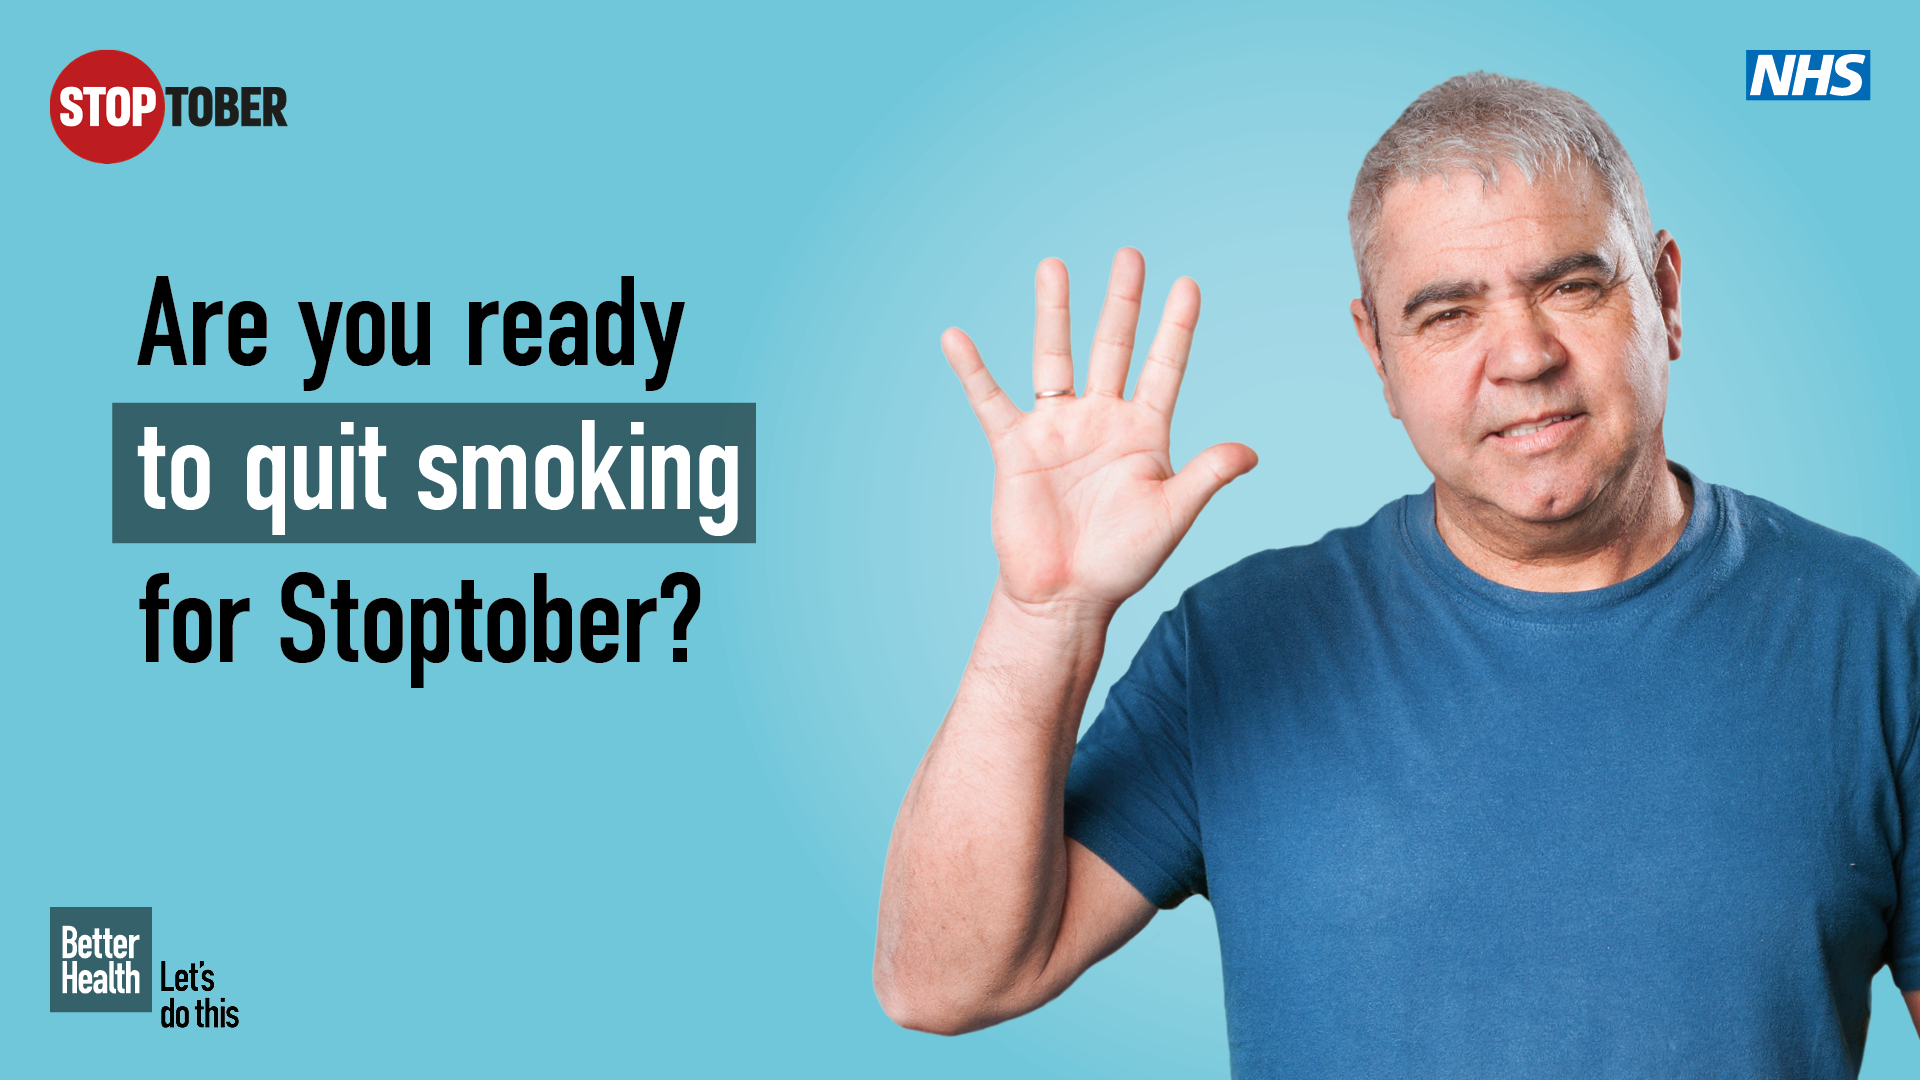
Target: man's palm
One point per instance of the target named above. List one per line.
(1086, 504)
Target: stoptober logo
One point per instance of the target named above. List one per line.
(101, 959)
(107, 106)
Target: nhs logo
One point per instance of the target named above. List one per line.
(1832, 74)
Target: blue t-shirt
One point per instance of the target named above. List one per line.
(1668, 828)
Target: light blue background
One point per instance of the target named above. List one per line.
(673, 869)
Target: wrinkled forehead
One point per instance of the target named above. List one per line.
(1458, 225)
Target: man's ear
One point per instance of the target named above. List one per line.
(1370, 340)
(1666, 280)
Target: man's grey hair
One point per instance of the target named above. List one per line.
(1471, 124)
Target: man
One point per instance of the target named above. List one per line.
(1573, 765)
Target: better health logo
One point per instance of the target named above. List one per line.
(100, 959)
(107, 106)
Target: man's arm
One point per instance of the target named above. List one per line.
(987, 910)
(1913, 1007)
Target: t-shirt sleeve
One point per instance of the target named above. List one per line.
(1130, 792)
(1903, 931)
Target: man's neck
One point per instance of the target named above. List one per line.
(1608, 542)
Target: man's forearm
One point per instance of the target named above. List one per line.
(976, 876)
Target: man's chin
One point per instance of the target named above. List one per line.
(1538, 501)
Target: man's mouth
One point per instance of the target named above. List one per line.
(1532, 426)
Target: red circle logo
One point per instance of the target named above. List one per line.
(107, 106)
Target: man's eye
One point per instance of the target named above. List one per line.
(1573, 287)
(1447, 316)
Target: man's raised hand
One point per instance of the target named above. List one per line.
(1086, 504)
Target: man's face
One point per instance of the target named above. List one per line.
(1520, 341)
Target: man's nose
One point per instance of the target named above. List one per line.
(1523, 347)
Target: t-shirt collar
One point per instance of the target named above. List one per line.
(1422, 538)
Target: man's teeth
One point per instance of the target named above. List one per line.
(1527, 429)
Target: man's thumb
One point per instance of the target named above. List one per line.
(1209, 471)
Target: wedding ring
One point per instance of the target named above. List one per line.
(1051, 393)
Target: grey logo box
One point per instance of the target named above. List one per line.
(118, 960)
(226, 433)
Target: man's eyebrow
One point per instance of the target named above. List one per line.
(1570, 264)
(1441, 291)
